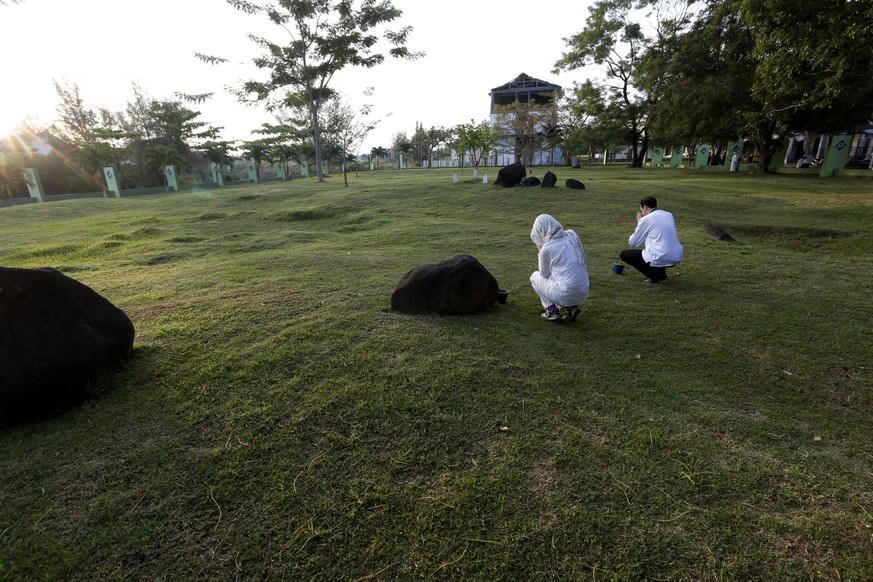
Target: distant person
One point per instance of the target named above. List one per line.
(657, 229)
(562, 279)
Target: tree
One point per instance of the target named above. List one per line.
(815, 66)
(613, 38)
(159, 157)
(325, 38)
(379, 153)
(348, 127)
(217, 152)
(744, 71)
(476, 140)
(526, 125)
(432, 139)
(101, 148)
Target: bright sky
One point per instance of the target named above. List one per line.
(472, 46)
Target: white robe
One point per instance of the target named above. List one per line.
(562, 277)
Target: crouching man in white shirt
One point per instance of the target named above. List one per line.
(657, 229)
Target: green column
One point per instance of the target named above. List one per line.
(399, 161)
(676, 157)
(254, 175)
(172, 181)
(324, 169)
(734, 148)
(657, 157)
(370, 162)
(34, 184)
(304, 169)
(218, 174)
(837, 155)
(778, 159)
(702, 156)
(282, 170)
(112, 181)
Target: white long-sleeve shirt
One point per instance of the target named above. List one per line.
(658, 230)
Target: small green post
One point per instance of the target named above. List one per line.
(778, 159)
(370, 162)
(837, 155)
(304, 169)
(657, 157)
(282, 170)
(676, 157)
(702, 157)
(400, 161)
(112, 181)
(734, 148)
(254, 175)
(217, 174)
(172, 181)
(325, 171)
(34, 184)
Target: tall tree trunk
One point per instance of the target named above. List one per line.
(316, 136)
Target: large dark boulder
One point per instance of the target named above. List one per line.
(549, 180)
(56, 335)
(510, 175)
(455, 287)
(574, 184)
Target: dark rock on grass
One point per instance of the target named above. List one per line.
(458, 286)
(56, 335)
(530, 181)
(510, 175)
(716, 233)
(549, 180)
(574, 184)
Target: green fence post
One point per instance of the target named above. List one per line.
(217, 174)
(172, 181)
(837, 155)
(112, 181)
(702, 157)
(254, 175)
(34, 184)
(778, 159)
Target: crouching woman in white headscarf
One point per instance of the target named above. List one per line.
(562, 278)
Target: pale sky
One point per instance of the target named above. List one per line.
(472, 46)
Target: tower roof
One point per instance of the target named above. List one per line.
(525, 81)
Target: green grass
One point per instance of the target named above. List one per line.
(278, 421)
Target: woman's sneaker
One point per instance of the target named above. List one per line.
(552, 313)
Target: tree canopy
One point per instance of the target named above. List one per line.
(323, 38)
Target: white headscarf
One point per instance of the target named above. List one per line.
(546, 229)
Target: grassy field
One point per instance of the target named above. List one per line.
(278, 421)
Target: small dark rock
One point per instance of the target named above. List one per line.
(549, 180)
(574, 184)
(457, 286)
(716, 233)
(510, 175)
(530, 181)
